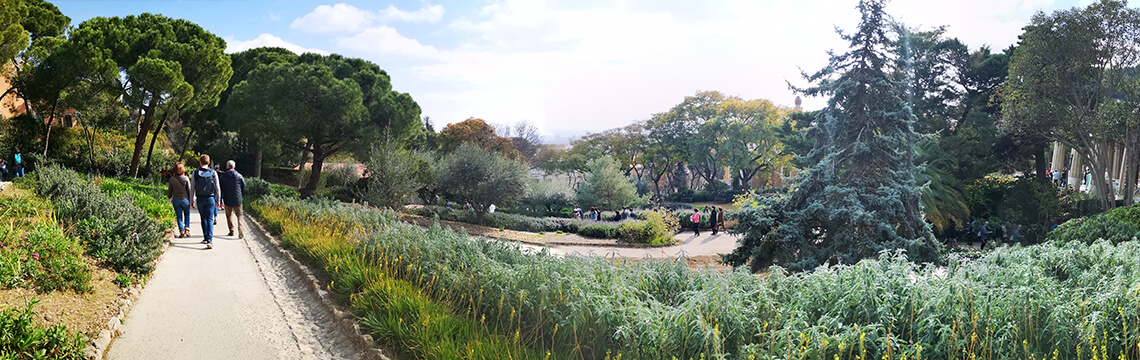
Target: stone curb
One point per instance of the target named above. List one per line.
(99, 345)
(346, 322)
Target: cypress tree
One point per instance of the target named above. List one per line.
(858, 196)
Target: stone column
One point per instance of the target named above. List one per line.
(1058, 157)
(1114, 169)
(1077, 171)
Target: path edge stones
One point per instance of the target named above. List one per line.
(345, 321)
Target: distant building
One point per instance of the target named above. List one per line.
(10, 105)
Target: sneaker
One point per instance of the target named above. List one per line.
(206, 241)
(241, 235)
(231, 233)
(209, 246)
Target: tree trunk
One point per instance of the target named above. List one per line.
(51, 119)
(315, 174)
(1040, 164)
(140, 139)
(1131, 173)
(153, 139)
(257, 162)
(304, 159)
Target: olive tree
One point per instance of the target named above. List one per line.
(481, 177)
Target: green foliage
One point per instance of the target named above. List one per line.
(481, 177)
(390, 308)
(608, 230)
(21, 338)
(13, 36)
(1116, 226)
(113, 229)
(123, 281)
(164, 63)
(657, 228)
(35, 252)
(151, 198)
(1097, 227)
(541, 194)
(596, 230)
(1044, 301)
(860, 195)
(256, 188)
(606, 187)
(391, 175)
(345, 104)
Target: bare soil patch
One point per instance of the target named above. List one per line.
(84, 313)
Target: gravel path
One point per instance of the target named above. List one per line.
(238, 301)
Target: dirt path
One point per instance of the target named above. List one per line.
(237, 301)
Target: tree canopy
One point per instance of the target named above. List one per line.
(859, 197)
(304, 103)
(607, 187)
(481, 177)
(152, 61)
(1063, 78)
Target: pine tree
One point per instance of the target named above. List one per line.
(859, 195)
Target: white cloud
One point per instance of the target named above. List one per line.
(341, 17)
(427, 13)
(269, 40)
(385, 41)
(590, 66)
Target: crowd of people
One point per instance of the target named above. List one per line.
(207, 191)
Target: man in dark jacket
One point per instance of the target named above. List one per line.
(233, 185)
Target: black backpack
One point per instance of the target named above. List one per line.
(205, 186)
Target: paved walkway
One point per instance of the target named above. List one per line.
(690, 245)
(237, 301)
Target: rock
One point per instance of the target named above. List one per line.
(91, 353)
(103, 340)
(47, 318)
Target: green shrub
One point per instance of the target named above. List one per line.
(256, 188)
(606, 230)
(151, 198)
(1088, 230)
(113, 229)
(598, 231)
(655, 229)
(21, 338)
(1129, 214)
(34, 251)
(340, 175)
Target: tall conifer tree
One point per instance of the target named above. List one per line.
(859, 195)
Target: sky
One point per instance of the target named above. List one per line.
(575, 66)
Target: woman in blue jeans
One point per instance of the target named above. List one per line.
(178, 190)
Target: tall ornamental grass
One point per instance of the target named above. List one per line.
(1050, 301)
(393, 310)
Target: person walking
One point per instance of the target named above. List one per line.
(204, 183)
(233, 186)
(19, 168)
(720, 220)
(3, 169)
(696, 219)
(712, 220)
(178, 191)
(983, 232)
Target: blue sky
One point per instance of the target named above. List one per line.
(574, 66)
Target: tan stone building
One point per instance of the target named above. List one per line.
(10, 104)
